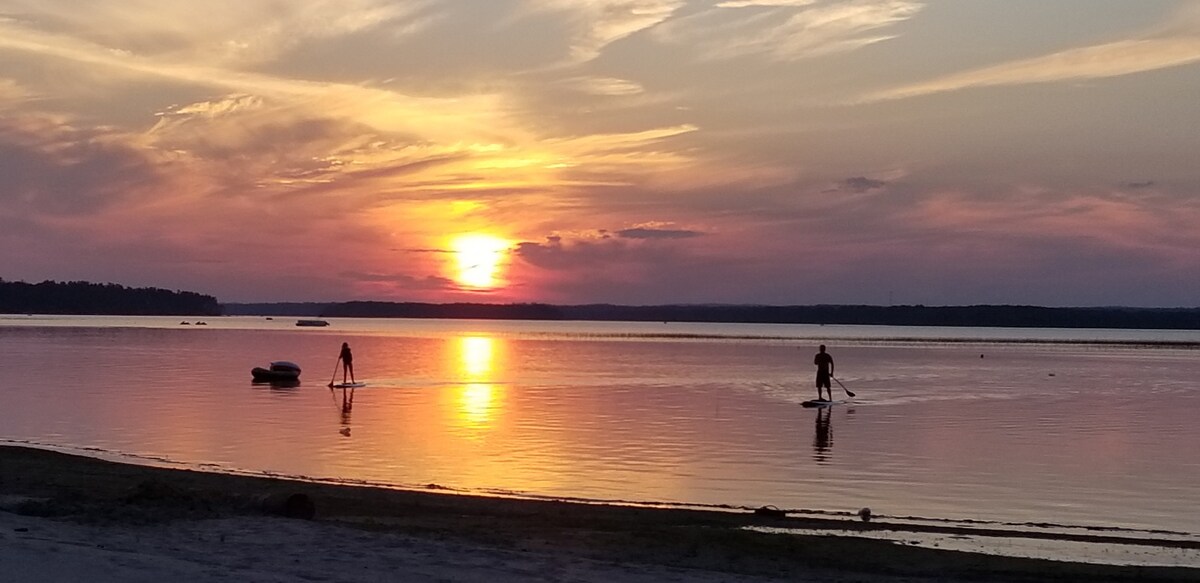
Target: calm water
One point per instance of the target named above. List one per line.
(1079, 428)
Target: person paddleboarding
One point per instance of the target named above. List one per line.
(824, 364)
(347, 359)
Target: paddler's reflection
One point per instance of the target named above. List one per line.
(347, 406)
(823, 438)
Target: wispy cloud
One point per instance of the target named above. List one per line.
(11, 92)
(378, 107)
(52, 168)
(657, 233)
(1103, 219)
(596, 24)
(1113, 59)
(1138, 185)
(231, 32)
(609, 86)
(789, 30)
(282, 129)
(749, 3)
(861, 184)
(289, 130)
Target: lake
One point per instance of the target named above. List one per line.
(1058, 428)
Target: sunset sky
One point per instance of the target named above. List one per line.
(937, 152)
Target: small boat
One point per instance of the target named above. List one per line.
(311, 323)
(281, 371)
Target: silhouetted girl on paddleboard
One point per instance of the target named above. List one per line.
(348, 362)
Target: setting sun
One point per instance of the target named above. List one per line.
(478, 260)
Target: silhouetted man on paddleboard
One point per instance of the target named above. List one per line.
(824, 363)
(348, 362)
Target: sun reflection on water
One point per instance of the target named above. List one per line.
(479, 398)
(476, 402)
(477, 357)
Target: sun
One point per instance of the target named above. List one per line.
(479, 259)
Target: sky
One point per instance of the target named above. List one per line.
(884, 152)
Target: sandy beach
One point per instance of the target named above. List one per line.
(66, 517)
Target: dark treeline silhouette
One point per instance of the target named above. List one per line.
(303, 309)
(982, 316)
(459, 310)
(81, 297)
(364, 309)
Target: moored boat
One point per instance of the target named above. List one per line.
(311, 323)
(280, 371)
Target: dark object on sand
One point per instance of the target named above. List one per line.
(289, 505)
(280, 371)
(311, 323)
(772, 511)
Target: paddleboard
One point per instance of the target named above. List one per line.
(349, 385)
(820, 403)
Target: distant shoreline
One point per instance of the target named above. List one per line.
(84, 298)
(988, 316)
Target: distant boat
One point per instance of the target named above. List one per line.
(280, 371)
(311, 323)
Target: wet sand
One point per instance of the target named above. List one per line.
(67, 517)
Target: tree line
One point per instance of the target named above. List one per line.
(81, 297)
(978, 316)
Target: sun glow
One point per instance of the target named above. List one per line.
(479, 258)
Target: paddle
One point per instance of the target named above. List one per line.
(841, 385)
(339, 361)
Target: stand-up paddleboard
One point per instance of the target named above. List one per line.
(821, 403)
(349, 385)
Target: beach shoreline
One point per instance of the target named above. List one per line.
(50, 496)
